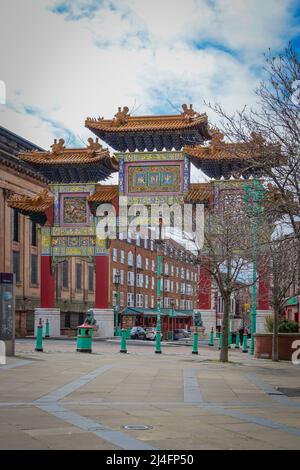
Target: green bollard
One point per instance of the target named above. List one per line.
(157, 343)
(211, 339)
(123, 341)
(229, 340)
(220, 341)
(47, 335)
(217, 334)
(195, 344)
(237, 341)
(245, 343)
(39, 337)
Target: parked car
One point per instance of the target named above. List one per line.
(137, 332)
(181, 333)
(150, 333)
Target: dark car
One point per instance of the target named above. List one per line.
(137, 332)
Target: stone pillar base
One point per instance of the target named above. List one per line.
(53, 315)
(105, 322)
(260, 320)
(198, 329)
(208, 318)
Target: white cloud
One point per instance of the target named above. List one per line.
(135, 51)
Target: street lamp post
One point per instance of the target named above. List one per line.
(159, 263)
(172, 319)
(116, 284)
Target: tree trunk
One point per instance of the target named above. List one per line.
(275, 335)
(225, 328)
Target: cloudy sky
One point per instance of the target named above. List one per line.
(62, 61)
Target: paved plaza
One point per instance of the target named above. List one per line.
(60, 399)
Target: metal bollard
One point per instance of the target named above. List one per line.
(39, 337)
(47, 335)
(220, 342)
(157, 343)
(211, 339)
(123, 342)
(229, 340)
(245, 343)
(237, 341)
(195, 344)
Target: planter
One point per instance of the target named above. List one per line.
(263, 345)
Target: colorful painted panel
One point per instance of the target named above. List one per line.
(164, 178)
(74, 210)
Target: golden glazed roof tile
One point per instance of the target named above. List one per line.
(104, 193)
(199, 192)
(124, 122)
(60, 155)
(218, 150)
(35, 204)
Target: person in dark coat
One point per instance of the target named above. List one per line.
(241, 333)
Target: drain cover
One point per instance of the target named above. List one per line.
(290, 392)
(136, 427)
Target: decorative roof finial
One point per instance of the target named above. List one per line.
(216, 136)
(121, 116)
(58, 147)
(188, 112)
(93, 146)
(257, 138)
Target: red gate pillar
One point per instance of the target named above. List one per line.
(47, 283)
(102, 282)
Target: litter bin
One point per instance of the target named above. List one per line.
(84, 338)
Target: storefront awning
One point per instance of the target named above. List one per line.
(153, 312)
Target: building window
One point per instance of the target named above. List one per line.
(91, 279)
(129, 237)
(152, 301)
(114, 298)
(33, 233)
(146, 281)
(172, 270)
(16, 265)
(147, 263)
(122, 299)
(122, 277)
(78, 276)
(138, 239)
(145, 243)
(67, 320)
(130, 299)
(140, 280)
(122, 256)
(139, 261)
(115, 254)
(166, 268)
(139, 300)
(34, 269)
(130, 259)
(16, 226)
(130, 278)
(152, 283)
(146, 301)
(153, 265)
(65, 274)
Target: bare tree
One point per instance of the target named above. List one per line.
(267, 137)
(228, 248)
(283, 257)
